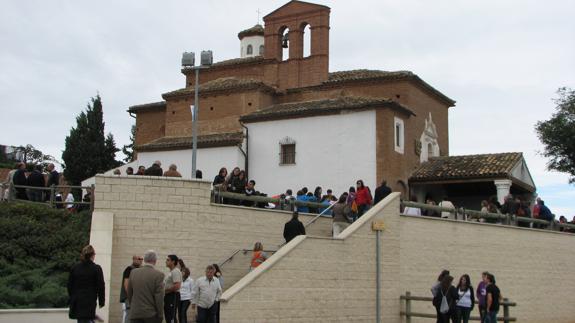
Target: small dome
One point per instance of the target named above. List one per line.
(257, 30)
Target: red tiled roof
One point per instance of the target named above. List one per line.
(466, 167)
(321, 107)
(222, 84)
(204, 141)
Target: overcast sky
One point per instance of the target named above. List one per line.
(501, 60)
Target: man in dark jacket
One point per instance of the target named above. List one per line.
(36, 179)
(293, 228)
(85, 287)
(53, 179)
(20, 179)
(155, 169)
(381, 192)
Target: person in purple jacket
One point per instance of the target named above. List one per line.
(481, 294)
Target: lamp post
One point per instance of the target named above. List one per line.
(188, 61)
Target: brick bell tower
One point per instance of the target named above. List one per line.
(292, 19)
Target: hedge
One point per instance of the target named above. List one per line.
(38, 246)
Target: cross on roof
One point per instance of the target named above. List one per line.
(259, 12)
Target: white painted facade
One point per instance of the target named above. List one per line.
(331, 151)
(255, 42)
(209, 160)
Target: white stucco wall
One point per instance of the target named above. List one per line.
(331, 151)
(255, 41)
(209, 160)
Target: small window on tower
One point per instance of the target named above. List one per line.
(287, 151)
(261, 50)
(399, 135)
(250, 50)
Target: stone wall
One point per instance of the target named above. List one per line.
(175, 216)
(44, 315)
(316, 278)
(319, 280)
(531, 267)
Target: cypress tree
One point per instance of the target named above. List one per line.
(87, 151)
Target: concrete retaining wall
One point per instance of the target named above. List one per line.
(175, 216)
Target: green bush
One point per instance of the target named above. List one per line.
(38, 246)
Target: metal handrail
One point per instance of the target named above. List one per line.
(52, 191)
(318, 216)
(228, 259)
(508, 218)
(265, 199)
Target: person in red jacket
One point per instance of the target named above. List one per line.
(363, 198)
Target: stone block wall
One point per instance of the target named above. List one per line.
(531, 267)
(316, 279)
(175, 216)
(333, 280)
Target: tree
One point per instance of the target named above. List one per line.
(88, 152)
(33, 156)
(558, 134)
(128, 150)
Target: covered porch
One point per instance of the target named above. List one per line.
(467, 180)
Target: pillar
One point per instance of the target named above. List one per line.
(503, 187)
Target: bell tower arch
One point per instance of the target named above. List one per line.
(295, 16)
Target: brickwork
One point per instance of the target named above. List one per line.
(150, 125)
(172, 215)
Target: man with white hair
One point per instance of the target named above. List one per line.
(146, 292)
(155, 169)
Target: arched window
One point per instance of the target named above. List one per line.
(306, 39)
(284, 43)
(430, 150)
(250, 50)
(261, 50)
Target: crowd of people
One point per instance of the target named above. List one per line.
(350, 205)
(147, 295)
(513, 205)
(455, 303)
(38, 183)
(155, 170)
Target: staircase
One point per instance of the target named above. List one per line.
(237, 265)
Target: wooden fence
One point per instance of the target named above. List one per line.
(408, 313)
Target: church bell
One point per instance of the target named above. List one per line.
(285, 40)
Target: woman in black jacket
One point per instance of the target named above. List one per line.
(446, 312)
(85, 286)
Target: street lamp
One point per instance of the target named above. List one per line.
(188, 61)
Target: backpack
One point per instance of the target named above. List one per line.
(444, 308)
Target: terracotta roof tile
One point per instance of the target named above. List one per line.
(321, 107)
(147, 106)
(204, 141)
(377, 75)
(237, 61)
(222, 84)
(254, 31)
(466, 167)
